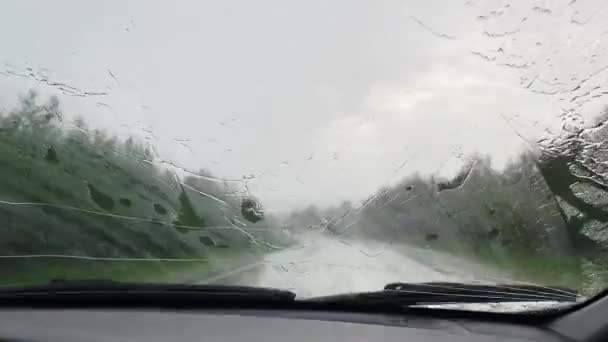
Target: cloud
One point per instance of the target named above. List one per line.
(395, 97)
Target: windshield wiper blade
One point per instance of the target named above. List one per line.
(104, 288)
(487, 292)
(409, 294)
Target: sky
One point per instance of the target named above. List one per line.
(314, 102)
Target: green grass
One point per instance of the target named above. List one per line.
(565, 271)
(557, 271)
(41, 271)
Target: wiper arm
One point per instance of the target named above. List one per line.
(408, 294)
(104, 288)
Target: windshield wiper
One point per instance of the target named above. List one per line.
(108, 289)
(65, 293)
(409, 294)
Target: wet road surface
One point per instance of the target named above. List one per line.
(321, 265)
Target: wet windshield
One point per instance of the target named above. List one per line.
(319, 147)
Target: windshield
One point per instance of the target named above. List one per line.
(313, 146)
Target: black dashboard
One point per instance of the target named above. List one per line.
(126, 325)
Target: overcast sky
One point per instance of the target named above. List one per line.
(321, 100)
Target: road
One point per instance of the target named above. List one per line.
(322, 265)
